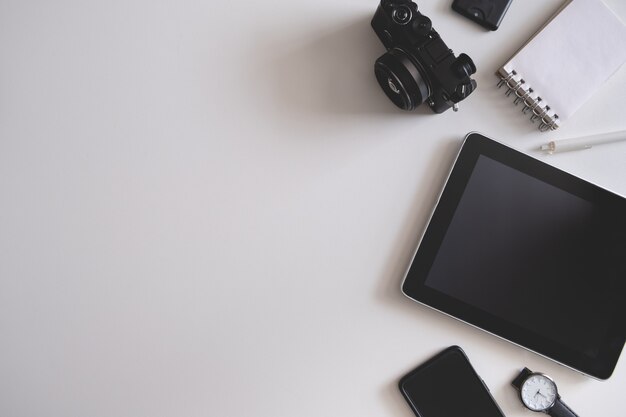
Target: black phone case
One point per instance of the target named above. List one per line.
(487, 13)
(452, 349)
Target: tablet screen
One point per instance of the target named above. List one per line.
(538, 252)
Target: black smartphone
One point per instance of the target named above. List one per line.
(448, 386)
(487, 13)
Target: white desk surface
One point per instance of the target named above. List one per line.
(207, 208)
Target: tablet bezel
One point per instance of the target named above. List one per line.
(413, 285)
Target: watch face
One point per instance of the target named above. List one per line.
(538, 392)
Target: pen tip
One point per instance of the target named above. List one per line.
(548, 147)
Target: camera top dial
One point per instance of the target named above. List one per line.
(401, 14)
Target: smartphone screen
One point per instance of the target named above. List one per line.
(448, 386)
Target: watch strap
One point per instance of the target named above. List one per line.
(560, 409)
(519, 380)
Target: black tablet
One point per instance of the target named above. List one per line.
(528, 253)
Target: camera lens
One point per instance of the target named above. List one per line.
(401, 15)
(401, 79)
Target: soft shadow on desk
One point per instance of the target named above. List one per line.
(399, 256)
(397, 404)
(411, 231)
(331, 74)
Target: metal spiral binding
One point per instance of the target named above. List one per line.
(539, 110)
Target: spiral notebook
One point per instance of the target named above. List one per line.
(560, 67)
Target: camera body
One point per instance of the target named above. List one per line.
(418, 66)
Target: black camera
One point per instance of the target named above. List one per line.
(418, 66)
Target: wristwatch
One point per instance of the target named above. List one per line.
(538, 393)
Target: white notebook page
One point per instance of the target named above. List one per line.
(572, 56)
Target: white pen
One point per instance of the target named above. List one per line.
(587, 142)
